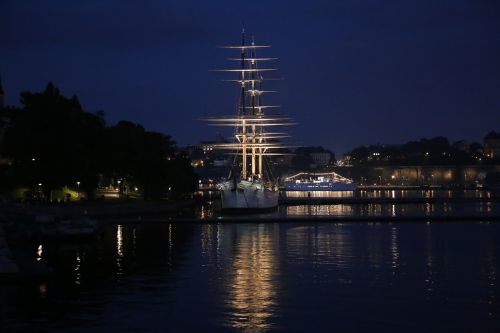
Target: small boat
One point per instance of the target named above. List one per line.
(77, 228)
(55, 228)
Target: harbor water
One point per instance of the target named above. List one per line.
(257, 277)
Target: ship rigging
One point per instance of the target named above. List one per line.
(252, 140)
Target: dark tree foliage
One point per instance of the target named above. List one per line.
(302, 156)
(148, 159)
(435, 151)
(124, 143)
(492, 135)
(53, 142)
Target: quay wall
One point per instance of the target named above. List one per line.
(418, 175)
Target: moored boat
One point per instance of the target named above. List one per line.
(328, 181)
(250, 186)
(247, 195)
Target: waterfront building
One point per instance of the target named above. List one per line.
(321, 159)
(204, 153)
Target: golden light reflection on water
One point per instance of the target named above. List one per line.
(119, 250)
(42, 289)
(490, 269)
(39, 252)
(242, 262)
(328, 245)
(319, 194)
(430, 261)
(394, 250)
(206, 239)
(170, 233)
(485, 207)
(77, 268)
(428, 208)
(251, 289)
(341, 210)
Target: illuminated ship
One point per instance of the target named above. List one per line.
(328, 181)
(249, 185)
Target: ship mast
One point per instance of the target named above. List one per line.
(252, 64)
(251, 140)
(242, 108)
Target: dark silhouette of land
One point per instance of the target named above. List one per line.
(51, 142)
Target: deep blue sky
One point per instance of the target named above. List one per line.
(356, 72)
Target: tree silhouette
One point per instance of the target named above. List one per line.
(51, 141)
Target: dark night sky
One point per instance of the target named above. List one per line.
(356, 72)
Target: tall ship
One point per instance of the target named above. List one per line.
(326, 181)
(250, 185)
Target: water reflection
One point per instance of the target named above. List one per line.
(394, 194)
(119, 250)
(320, 244)
(491, 258)
(319, 194)
(265, 278)
(77, 268)
(340, 210)
(429, 208)
(251, 289)
(394, 250)
(42, 289)
(429, 279)
(39, 252)
(394, 210)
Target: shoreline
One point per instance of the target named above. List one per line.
(248, 219)
(182, 211)
(139, 208)
(93, 209)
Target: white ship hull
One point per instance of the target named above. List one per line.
(320, 186)
(247, 196)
